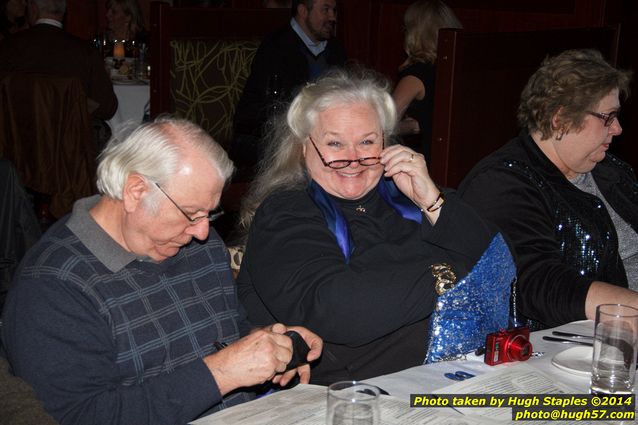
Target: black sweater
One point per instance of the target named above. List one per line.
(371, 312)
(562, 237)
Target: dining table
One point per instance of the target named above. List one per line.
(555, 367)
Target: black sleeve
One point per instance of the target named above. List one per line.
(73, 368)
(549, 290)
(295, 268)
(100, 88)
(253, 109)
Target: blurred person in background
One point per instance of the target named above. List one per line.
(285, 60)
(46, 48)
(125, 21)
(414, 93)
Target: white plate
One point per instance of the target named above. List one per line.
(576, 360)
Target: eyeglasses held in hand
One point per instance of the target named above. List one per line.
(343, 163)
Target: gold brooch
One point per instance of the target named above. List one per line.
(360, 209)
(444, 277)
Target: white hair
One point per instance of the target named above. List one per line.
(283, 165)
(339, 87)
(154, 150)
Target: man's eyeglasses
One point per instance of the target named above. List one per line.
(608, 119)
(211, 216)
(343, 163)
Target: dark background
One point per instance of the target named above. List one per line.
(371, 31)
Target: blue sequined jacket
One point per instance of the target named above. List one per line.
(563, 238)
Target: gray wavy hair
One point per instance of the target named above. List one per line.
(571, 82)
(154, 151)
(283, 166)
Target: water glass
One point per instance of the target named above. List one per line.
(353, 403)
(615, 339)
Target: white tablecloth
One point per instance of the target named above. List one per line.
(306, 404)
(133, 101)
(429, 378)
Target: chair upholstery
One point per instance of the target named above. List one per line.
(207, 79)
(201, 58)
(45, 131)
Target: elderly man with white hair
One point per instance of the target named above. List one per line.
(117, 316)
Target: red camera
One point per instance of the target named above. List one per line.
(507, 346)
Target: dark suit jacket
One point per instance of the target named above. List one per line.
(46, 49)
(282, 54)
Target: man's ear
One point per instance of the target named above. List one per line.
(135, 188)
(302, 10)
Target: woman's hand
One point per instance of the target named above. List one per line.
(408, 126)
(315, 343)
(410, 173)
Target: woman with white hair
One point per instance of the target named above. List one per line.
(349, 234)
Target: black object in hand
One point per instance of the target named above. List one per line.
(299, 350)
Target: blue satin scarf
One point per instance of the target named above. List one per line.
(339, 226)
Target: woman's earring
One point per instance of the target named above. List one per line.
(560, 134)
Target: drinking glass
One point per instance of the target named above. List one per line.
(614, 359)
(101, 42)
(353, 403)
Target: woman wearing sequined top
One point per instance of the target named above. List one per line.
(569, 208)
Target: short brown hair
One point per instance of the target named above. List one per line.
(295, 3)
(573, 82)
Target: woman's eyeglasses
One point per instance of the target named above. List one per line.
(343, 163)
(608, 119)
(211, 216)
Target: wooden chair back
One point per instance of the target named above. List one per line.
(479, 79)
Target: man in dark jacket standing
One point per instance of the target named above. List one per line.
(46, 48)
(285, 60)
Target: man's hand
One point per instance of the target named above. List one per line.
(252, 360)
(261, 356)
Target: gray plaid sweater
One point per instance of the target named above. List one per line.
(105, 337)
